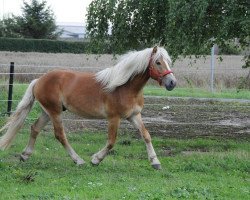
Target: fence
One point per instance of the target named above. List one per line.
(158, 106)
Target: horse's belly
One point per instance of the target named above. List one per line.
(92, 115)
(89, 111)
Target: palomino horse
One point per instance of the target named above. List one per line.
(114, 93)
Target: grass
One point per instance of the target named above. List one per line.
(197, 92)
(220, 172)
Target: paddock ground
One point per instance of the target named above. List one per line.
(181, 118)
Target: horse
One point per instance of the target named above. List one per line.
(114, 93)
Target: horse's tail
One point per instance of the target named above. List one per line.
(17, 119)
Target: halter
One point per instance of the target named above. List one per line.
(155, 74)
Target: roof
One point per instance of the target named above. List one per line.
(71, 30)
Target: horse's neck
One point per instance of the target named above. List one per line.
(137, 83)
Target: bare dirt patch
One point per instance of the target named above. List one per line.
(183, 118)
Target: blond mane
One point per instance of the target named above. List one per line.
(129, 65)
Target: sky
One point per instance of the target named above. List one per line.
(72, 11)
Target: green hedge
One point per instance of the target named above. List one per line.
(48, 46)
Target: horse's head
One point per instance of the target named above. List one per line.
(159, 68)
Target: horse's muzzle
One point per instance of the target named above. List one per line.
(169, 81)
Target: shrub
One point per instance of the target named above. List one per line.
(42, 45)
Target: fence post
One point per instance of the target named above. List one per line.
(212, 70)
(11, 80)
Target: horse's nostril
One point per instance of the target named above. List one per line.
(171, 83)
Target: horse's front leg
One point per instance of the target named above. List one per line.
(113, 125)
(136, 120)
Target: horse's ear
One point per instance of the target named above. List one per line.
(154, 49)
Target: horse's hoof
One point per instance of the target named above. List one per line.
(23, 157)
(95, 162)
(80, 162)
(156, 166)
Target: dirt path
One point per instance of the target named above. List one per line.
(183, 118)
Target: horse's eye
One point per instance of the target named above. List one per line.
(158, 63)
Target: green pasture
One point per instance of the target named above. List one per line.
(195, 169)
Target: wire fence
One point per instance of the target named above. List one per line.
(228, 75)
(191, 70)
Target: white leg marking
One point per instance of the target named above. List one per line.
(75, 157)
(137, 122)
(99, 156)
(152, 155)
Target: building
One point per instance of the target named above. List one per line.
(71, 30)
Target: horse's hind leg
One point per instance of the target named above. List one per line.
(137, 122)
(35, 129)
(61, 137)
(112, 133)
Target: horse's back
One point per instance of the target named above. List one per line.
(79, 92)
(57, 81)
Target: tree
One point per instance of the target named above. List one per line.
(185, 27)
(201, 23)
(37, 21)
(99, 15)
(8, 28)
(132, 23)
